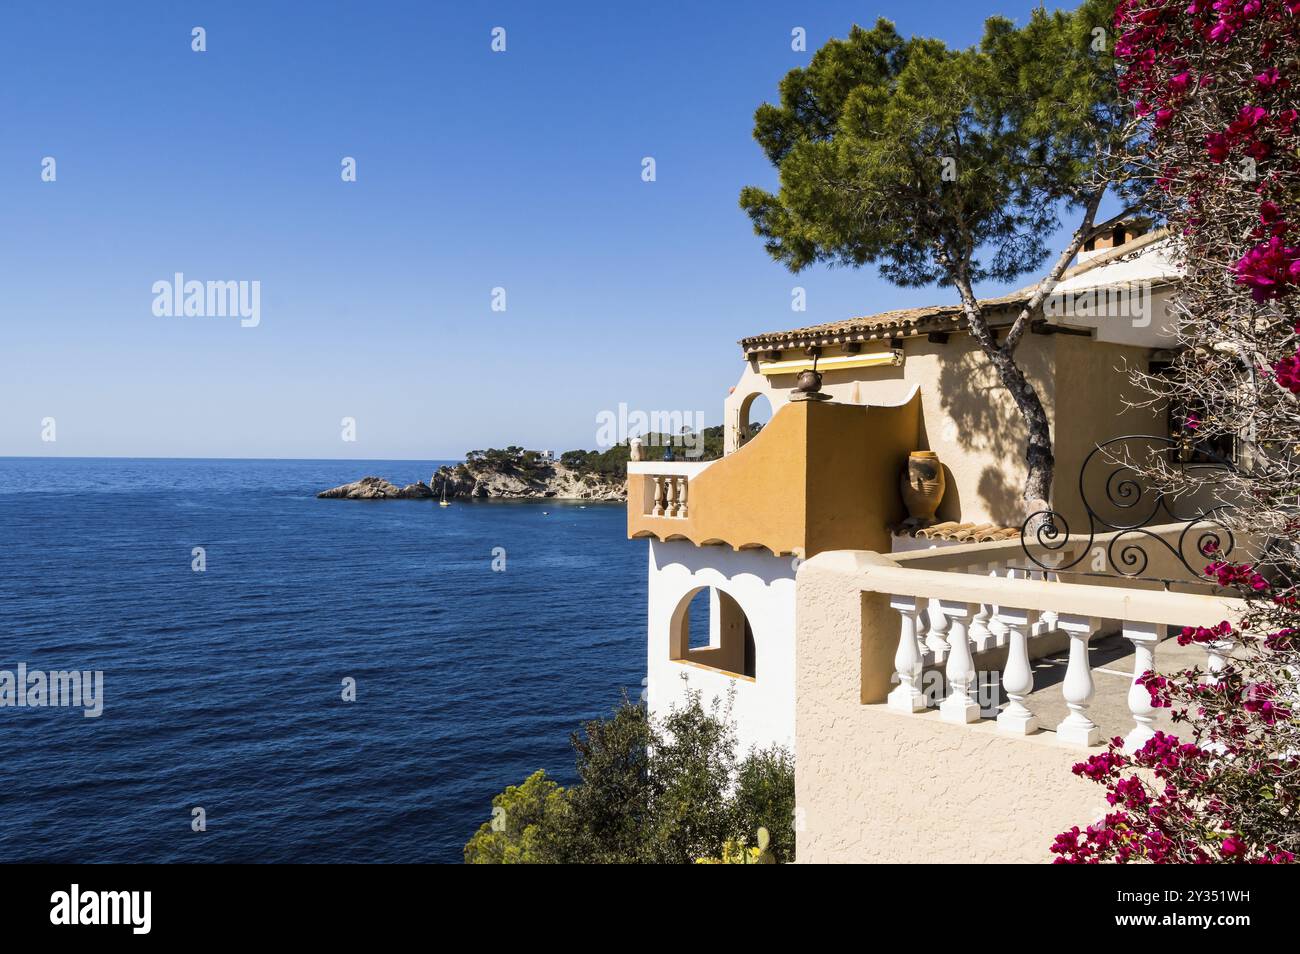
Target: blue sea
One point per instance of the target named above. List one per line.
(223, 688)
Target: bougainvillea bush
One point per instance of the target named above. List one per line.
(1213, 86)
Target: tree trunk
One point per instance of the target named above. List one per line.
(1038, 448)
(1037, 492)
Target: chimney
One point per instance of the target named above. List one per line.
(1123, 233)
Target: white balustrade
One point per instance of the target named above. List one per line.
(1076, 728)
(1216, 659)
(980, 633)
(959, 668)
(907, 695)
(1050, 618)
(937, 631)
(998, 626)
(933, 630)
(1216, 654)
(1018, 676)
(1144, 637)
(669, 495)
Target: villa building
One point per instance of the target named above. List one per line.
(909, 660)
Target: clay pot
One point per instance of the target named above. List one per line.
(809, 381)
(923, 485)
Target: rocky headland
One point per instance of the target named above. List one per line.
(496, 477)
(376, 488)
(552, 481)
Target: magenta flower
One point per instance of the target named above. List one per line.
(1268, 78)
(1218, 147)
(1267, 270)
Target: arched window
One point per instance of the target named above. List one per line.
(710, 629)
(755, 412)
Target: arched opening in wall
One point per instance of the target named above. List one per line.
(755, 412)
(710, 629)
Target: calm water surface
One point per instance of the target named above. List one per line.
(222, 689)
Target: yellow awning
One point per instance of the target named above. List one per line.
(876, 359)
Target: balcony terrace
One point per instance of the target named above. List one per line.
(820, 476)
(969, 678)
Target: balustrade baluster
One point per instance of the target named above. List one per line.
(1076, 728)
(959, 668)
(907, 695)
(1144, 637)
(997, 625)
(1049, 617)
(658, 510)
(979, 631)
(936, 631)
(681, 496)
(1018, 676)
(1216, 658)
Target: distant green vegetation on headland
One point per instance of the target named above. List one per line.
(610, 463)
(613, 462)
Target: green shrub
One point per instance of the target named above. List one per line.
(670, 791)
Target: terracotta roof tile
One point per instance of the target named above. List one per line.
(902, 323)
(908, 322)
(951, 531)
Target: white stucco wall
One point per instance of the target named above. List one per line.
(763, 585)
(875, 785)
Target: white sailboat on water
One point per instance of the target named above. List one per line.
(443, 501)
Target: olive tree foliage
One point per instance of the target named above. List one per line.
(951, 167)
(670, 790)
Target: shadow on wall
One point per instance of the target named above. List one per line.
(1002, 497)
(950, 505)
(985, 425)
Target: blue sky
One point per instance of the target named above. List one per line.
(475, 170)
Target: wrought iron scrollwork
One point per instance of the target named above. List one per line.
(1130, 509)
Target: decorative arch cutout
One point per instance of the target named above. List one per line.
(729, 647)
(755, 412)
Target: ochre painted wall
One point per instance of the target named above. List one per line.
(969, 419)
(821, 476)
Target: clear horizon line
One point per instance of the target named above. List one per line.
(394, 460)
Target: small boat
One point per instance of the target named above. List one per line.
(443, 501)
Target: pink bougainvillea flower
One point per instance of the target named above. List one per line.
(1266, 269)
(1268, 78)
(1218, 147)
(1287, 373)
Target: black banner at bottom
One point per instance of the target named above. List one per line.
(208, 903)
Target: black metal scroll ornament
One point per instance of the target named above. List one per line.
(1129, 510)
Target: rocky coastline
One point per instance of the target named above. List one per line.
(553, 481)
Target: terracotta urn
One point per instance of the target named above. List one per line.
(922, 485)
(809, 381)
